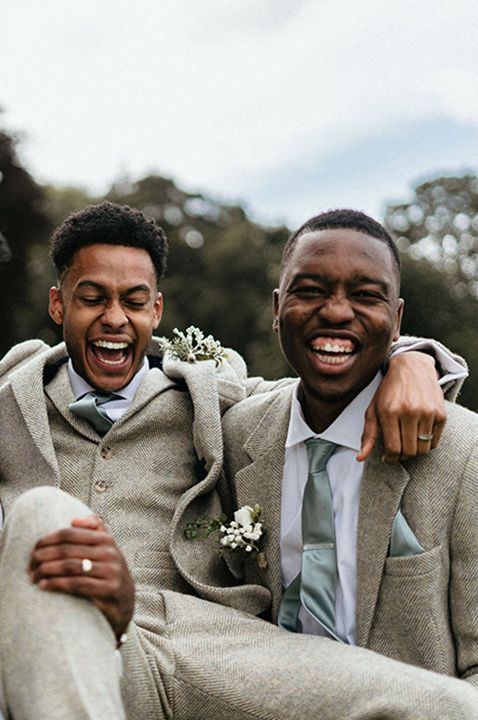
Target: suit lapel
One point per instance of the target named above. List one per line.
(261, 482)
(381, 492)
(27, 387)
(59, 392)
(212, 390)
(154, 383)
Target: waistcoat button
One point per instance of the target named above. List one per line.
(100, 486)
(106, 453)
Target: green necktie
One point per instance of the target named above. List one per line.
(314, 587)
(90, 408)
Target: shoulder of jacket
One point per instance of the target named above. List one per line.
(254, 406)
(20, 354)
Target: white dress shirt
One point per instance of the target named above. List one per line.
(345, 475)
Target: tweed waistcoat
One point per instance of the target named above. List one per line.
(133, 476)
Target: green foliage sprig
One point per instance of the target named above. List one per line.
(192, 346)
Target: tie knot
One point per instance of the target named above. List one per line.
(318, 453)
(90, 407)
(100, 397)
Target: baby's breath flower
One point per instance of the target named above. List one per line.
(192, 346)
(242, 533)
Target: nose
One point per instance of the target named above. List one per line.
(114, 315)
(337, 310)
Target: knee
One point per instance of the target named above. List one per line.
(45, 509)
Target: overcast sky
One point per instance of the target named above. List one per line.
(288, 106)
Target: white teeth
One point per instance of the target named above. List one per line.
(333, 348)
(110, 345)
(111, 362)
(333, 360)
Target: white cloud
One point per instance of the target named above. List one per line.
(212, 92)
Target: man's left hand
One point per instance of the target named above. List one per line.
(56, 564)
(408, 404)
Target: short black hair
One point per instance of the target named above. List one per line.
(111, 224)
(342, 218)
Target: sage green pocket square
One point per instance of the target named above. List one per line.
(403, 541)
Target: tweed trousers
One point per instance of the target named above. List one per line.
(58, 655)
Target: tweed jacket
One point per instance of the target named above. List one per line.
(140, 478)
(421, 609)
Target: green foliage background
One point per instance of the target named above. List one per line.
(223, 266)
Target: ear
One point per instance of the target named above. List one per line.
(398, 318)
(157, 309)
(55, 306)
(275, 301)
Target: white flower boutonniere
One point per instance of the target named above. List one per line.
(192, 346)
(242, 533)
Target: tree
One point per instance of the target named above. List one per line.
(221, 271)
(441, 225)
(438, 236)
(24, 225)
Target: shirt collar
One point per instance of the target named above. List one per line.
(346, 430)
(80, 387)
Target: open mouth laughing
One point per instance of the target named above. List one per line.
(333, 350)
(111, 353)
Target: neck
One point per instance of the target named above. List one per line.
(321, 412)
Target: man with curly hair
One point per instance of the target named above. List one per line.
(105, 445)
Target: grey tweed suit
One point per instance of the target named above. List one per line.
(186, 657)
(421, 609)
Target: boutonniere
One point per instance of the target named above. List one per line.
(244, 533)
(192, 346)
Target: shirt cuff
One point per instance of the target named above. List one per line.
(448, 368)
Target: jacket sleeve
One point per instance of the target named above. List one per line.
(451, 388)
(464, 572)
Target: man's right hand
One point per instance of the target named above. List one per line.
(56, 565)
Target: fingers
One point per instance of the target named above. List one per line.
(369, 435)
(392, 439)
(409, 404)
(56, 564)
(68, 577)
(66, 552)
(437, 431)
(92, 522)
(75, 536)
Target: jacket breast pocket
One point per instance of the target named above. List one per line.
(424, 563)
(411, 621)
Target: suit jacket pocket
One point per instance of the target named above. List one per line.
(411, 621)
(414, 565)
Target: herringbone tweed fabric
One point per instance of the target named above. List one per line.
(421, 609)
(186, 657)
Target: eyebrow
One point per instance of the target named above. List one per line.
(358, 280)
(101, 288)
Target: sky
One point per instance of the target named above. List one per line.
(289, 107)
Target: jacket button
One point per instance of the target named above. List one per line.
(106, 452)
(100, 486)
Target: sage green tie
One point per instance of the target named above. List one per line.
(315, 585)
(90, 408)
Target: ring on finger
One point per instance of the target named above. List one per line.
(86, 566)
(425, 438)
